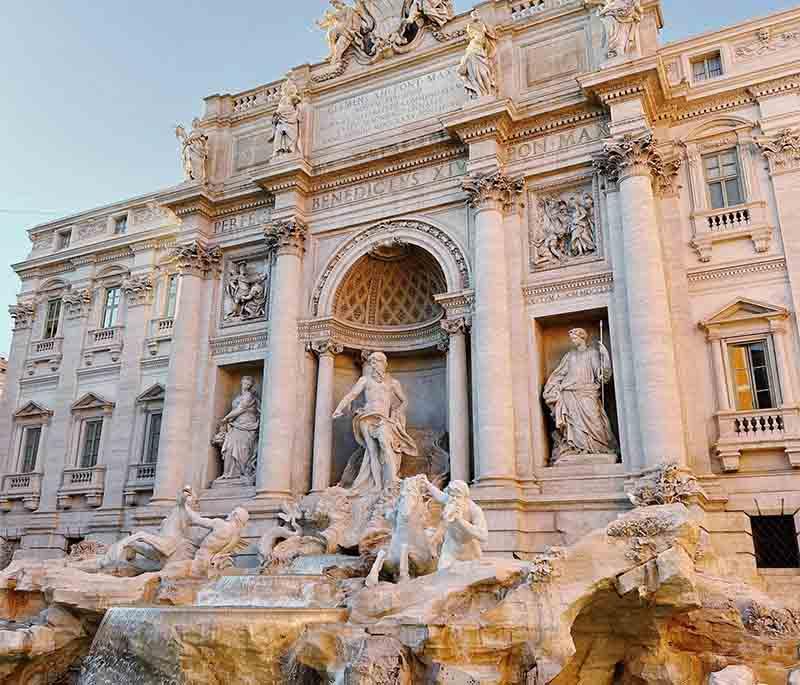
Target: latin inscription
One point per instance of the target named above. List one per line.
(243, 221)
(556, 142)
(390, 185)
(390, 107)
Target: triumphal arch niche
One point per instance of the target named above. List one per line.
(393, 287)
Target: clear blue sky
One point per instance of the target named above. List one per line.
(91, 91)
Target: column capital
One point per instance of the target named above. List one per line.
(325, 347)
(138, 290)
(77, 303)
(459, 325)
(782, 150)
(493, 190)
(196, 259)
(286, 236)
(24, 314)
(636, 155)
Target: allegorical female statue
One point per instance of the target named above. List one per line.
(194, 152)
(240, 429)
(286, 120)
(621, 19)
(477, 65)
(573, 393)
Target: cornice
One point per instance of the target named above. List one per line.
(579, 286)
(294, 174)
(490, 119)
(552, 122)
(739, 270)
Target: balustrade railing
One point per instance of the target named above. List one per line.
(528, 8)
(142, 473)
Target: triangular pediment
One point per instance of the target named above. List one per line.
(92, 401)
(32, 410)
(744, 309)
(154, 393)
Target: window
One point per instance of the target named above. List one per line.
(707, 68)
(152, 438)
(30, 448)
(52, 319)
(775, 541)
(172, 297)
(91, 443)
(64, 239)
(121, 225)
(753, 383)
(111, 308)
(723, 179)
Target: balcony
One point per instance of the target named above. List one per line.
(160, 335)
(141, 478)
(731, 223)
(24, 487)
(85, 482)
(103, 340)
(759, 429)
(45, 352)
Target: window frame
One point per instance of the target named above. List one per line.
(704, 60)
(104, 318)
(120, 220)
(86, 424)
(723, 180)
(772, 370)
(170, 306)
(89, 408)
(32, 415)
(64, 239)
(147, 445)
(23, 452)
(47, 334)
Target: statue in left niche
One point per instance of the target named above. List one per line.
(194, 152)
(286, 121)
(238, 434)
(477, 69)
(247, 293)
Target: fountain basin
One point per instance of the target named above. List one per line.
(200, 645)
(278, 592)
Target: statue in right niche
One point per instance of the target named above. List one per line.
(574, 395)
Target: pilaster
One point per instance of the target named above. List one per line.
(326, 350)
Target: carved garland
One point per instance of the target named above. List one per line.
(391, 227)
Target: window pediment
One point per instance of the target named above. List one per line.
(92, 402)
(154, 393)
(33, 410)
(744, 310)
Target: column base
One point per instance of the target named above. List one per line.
(276, 495)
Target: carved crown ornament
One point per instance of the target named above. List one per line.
(631, 155)
(77, 302)
(781, 150)
(138, 289)
(286, 236)
(494, 188)
(328, 346)
(196, 258)
(457, 325)
(24, 314)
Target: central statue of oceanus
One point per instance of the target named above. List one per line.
(379, 425)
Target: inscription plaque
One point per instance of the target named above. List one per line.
(389, 107)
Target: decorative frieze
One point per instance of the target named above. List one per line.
(583, 286)
(138, 290)
(232, 344)
(24, 314)
(493, 189)
(92, 229)
(195, 258)
(766, 42)
(286, 236)
(781, 150)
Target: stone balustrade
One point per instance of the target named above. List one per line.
(742, 221)
(46, 348)
(86, 482)
(24, 487)
(141, 478)
(529, 8)
(758, 429)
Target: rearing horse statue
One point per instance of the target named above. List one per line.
(410, 550)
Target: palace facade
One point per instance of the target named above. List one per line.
(587, 177)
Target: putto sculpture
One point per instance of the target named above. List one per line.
(238, 435)
(573, 393)
(248, 294)
(621, 19)
(380, 425)
(286, 121)
(194, 152)
(476, 69)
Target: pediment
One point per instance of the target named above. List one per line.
(91, 401)
(32, 410)
(744, 309)
(154, 393)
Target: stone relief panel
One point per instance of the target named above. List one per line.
(251, 150)
(565, 225)
(766, 42)
(245, 289)
(92, 229)
(559, 57)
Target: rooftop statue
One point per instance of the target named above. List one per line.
(438, 12)
(621, 19)
(346, 26)
(194, 152)
(286, 120)
(380, 425)
(477, 69)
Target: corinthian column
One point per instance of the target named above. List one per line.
(196, 263)
(279, 411)
(458, 396)
(490, 196)
(633, 161)
(323, 416)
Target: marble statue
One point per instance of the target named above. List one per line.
(410, 551)
(223, 540)
(247, 293)
(438, 12)
(286, 121)
(463, 525)
(476, 68)
(380, 425)
(239, 432)
(194, 152)
(171, 543)
(621, 19)
(345, 27)
(573, 393)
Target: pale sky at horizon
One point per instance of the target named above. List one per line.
(91, 93)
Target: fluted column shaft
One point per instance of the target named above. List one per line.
(279, 410)
(490, 196)
(323, 416)
(458, 397)
(632, 160)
